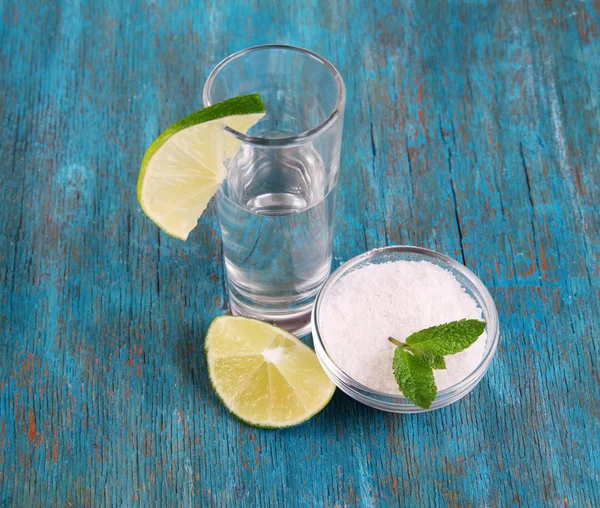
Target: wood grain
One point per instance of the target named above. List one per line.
(471, 128)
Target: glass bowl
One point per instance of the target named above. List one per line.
(398, 403)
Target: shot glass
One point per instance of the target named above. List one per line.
(276, 207)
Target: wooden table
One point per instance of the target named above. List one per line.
(471, 128)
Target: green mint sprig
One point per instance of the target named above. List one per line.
(423, 351)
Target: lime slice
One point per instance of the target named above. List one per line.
(263, 374)
(183, 167)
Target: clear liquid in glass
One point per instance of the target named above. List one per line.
(276, 218)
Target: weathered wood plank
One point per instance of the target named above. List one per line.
(471, 128)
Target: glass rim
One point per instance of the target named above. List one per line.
(398, 403)
(296, 138)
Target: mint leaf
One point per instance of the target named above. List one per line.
(447, 339)
(434, 360)
(415, 359)
(414, 377)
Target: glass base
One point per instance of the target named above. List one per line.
(296, 321)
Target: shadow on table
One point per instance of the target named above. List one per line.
(191, 363)
(346, 415)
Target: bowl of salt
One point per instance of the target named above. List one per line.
(396, 291)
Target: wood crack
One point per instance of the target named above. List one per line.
(530, 198)
(456, 216)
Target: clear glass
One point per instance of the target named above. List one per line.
(276, 207)
(398, 403)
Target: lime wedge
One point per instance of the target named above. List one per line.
(264, 375)
(183, 167)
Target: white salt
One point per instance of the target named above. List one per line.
(395, 299)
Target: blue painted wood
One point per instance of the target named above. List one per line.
(471, 128)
